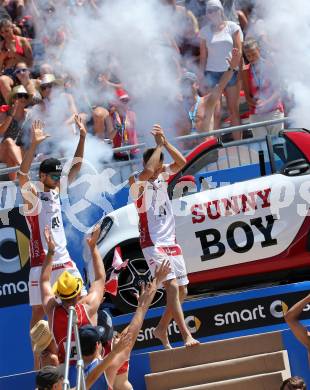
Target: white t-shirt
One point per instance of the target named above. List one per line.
(219, 45)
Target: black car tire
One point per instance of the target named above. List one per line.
(130, 281)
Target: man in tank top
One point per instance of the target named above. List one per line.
(42, 208)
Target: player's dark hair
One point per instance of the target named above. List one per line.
(148, 154)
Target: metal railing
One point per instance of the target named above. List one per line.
(80, 380)
(189, 137)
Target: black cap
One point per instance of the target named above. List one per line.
(105, 322)
(48, 376)
(51, 165)
(89, 337)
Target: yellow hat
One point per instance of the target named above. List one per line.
(67, 286)
(41, 336)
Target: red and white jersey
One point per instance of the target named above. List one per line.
(47, 213)
(59, 328)
(156, 219)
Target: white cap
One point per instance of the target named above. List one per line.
(214, 4)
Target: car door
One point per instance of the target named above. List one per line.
(240, 208)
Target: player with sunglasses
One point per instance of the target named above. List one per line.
(42, 208)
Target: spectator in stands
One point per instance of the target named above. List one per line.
(43, 345)
(46, 197)
(294, 383)
(199, 111)
(90, 339)
(68, 289)
(103, 127)
(263, 98)
(218, 38)
(291, 317)
(13, 49)
(124, 125)
(11, 128)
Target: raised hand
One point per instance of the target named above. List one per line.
(147, 294)
(49, 239)
(80, 125)
(159, 135)
(92, 240)
(121, 342)
(235, 58)
(162, 272)
(37, 132)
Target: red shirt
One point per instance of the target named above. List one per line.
(260, 87)
(59, 328)
(126, 131)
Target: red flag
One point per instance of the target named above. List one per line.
(118, 264)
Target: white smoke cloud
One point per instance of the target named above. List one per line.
(288, 30)
(134, 35)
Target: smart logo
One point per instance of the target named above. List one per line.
(193, 323)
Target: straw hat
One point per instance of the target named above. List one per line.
(41, 336)
(49, 78)
(67, 286)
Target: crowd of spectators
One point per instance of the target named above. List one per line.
(31, 49)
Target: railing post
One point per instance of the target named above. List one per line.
(72, 314)
(80, 381)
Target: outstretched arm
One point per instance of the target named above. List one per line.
(178, 159)
(292, 319)
(48, 298)
(79, 153)
(224, 80)
(96, 291)
(26, 187)
(108, 360)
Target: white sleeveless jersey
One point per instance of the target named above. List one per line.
(156, 220)
(49, 215)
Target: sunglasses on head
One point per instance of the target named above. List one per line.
(54, 176)
(22, 96)
(21, 70)
(46, 86)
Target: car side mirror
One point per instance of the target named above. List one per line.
(185, 185)
(296, 167)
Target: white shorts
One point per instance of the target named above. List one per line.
(155, 255)
(58, 269)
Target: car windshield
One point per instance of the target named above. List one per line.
(235, 162)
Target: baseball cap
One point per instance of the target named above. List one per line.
(214, 4)
(51, 165)
(105, 326)
(122, 94)
(89, 337)
(48, 376)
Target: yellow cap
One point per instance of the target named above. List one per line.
(67, 286)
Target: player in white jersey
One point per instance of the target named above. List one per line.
(157, 231)
(42, 208)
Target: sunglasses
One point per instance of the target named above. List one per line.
(21, 70)
(46, 86)
(22, 96)
(54, 177)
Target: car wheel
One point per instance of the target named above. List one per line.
(129, 283)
